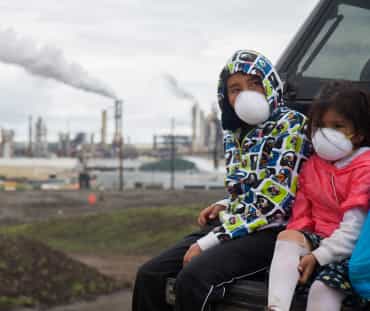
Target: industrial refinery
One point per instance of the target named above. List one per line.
(61, 163)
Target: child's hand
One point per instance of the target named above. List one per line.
(209, 213)
(306, 267)
(194, 250)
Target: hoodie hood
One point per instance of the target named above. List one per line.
(253, 63)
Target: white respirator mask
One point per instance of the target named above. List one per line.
(331, 145)
(252, 107)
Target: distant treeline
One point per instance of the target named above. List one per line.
(165, 165)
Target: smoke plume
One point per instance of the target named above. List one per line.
(176, 89)
(48, 62)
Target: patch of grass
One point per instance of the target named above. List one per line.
(166, 165)
(9, 302)
(133, 231)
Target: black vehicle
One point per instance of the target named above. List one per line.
(332, 44)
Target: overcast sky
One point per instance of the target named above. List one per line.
(129, 45)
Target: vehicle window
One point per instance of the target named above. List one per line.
(342, 49)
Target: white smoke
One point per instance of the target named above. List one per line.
(48, 62)
(176, 89)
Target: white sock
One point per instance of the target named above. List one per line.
(322, 298)
(284, 274)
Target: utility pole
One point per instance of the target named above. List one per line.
(121, 164)
(173, 151)
(119, 140)
(216, 141)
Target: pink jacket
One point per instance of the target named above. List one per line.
(325, 193)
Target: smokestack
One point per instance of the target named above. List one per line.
(48, 62)
(118, 119)
(154, 142)
(119, 140)
(92, 145)
(30, 136)
(104, 128)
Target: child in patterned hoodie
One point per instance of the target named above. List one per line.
(265, 146)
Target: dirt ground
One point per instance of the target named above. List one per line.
(122, 268)
(28, 206)
(119, 301)
(23, 207)
(119, 267)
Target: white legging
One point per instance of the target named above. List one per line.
(284, 276)
(322, 298)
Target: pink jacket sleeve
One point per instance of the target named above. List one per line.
(301, 218)
(358, 190)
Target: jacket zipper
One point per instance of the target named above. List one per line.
(334, 189)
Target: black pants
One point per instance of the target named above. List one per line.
(206, 277)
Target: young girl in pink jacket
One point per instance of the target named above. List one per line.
(331, 205)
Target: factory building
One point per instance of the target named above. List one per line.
(40, 149)
(6, 143)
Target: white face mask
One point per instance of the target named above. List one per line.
(252, 107)
(331, 144)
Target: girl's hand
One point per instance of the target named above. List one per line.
(194, 250)
(306, 267)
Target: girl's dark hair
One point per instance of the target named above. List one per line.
(350, 102)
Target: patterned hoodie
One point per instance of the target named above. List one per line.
(262, 165)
